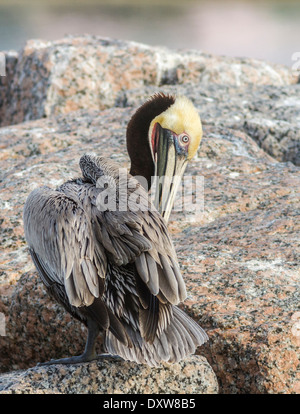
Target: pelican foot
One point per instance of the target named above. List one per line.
(78, 359)
(72, 360)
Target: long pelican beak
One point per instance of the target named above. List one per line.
(170, 160)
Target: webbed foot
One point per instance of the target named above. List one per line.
(71, 360)
(78, 359)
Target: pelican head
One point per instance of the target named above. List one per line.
(162, 136)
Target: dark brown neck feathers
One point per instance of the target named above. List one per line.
(138, 146)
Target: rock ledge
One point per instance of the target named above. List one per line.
(194, 375)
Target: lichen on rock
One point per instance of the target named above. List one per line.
(240, 257)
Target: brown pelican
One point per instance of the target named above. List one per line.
(116, 269)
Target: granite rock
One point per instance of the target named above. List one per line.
(31, 316)
(50, 78)
(105, 376)
(269, 114)
(240, 256)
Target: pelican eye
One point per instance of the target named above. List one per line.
(184, 139)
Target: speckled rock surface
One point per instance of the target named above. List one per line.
(240, 258)
(192, 376)
(88, 71)
(270, 114)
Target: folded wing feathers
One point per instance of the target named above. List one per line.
(180, 282)
(79, 241)
(168, 282)
(153, 283)
(148, 320)
(142, 268)
(142, 237)
(164, 278)
(91, 276)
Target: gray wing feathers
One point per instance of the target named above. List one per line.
(138, 236)
(124, 246)
(179, 339)
(163, 279)
(59, 231)
(73, 242)
(151, 251)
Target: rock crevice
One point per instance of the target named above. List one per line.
(239, 257)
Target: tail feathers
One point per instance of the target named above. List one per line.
(178, 340)
(100, 313)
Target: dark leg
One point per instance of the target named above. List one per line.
(89, 353)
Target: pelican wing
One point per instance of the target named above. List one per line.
(72, 239)
(136, 234)
(139, 238)
(62, 244)
(145, 243)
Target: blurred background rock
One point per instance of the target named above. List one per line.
(267, 30)
(62, 96)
